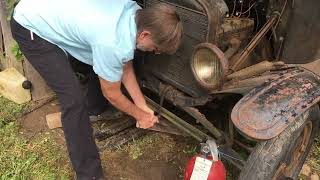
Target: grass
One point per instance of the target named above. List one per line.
(137, 147)
(192, 149)
(313, 160)
(9, 111)
(41, 157)
(22, 158)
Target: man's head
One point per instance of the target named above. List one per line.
(159, 29)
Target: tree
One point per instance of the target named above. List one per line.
(6, 40)
(11, 50)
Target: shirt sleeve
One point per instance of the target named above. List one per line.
(107, 63)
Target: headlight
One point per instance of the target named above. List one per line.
(209, 65)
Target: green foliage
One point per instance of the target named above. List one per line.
(10, 5)
(137, 147)
(191, 150)
(9, 111)
(22, 158)
(34, 159)
(15, 49)
(313, 159)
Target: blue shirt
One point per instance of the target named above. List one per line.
(101, 33)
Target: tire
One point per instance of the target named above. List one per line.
(279, 158)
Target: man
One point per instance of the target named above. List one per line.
(103, 34)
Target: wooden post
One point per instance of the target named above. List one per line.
(1, 48)
(39, 90)
(1, 40)
(8, 41)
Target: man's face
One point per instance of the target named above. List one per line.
(145, 43)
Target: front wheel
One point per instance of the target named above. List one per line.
(283, 156)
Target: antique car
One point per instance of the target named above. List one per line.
(256, 61)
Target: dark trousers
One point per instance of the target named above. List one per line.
(53, 65)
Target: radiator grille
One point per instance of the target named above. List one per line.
(175, 69)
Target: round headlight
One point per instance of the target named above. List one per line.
(209, 65)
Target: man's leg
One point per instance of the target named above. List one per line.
(52, 64)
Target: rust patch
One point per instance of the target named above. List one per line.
(267, 110)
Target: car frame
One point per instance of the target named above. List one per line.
(244, 56)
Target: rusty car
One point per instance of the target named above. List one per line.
(256, 60)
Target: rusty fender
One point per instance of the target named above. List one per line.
(268, 109)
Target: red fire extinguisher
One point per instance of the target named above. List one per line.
(206, 165)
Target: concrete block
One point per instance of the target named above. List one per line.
(11, 86)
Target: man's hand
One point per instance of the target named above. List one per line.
(146, 121)
(144, 116)
(130, 82)
(155, 119)
(146, 108)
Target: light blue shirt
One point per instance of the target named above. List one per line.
(101, 33)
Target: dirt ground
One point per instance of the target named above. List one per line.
(155, 156)
(161, 160)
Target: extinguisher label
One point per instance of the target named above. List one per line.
(201, 169)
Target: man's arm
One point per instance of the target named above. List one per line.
(130, 82)
(113, 93)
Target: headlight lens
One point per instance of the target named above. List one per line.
(209, 65)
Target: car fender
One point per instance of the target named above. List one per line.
(269, 109)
